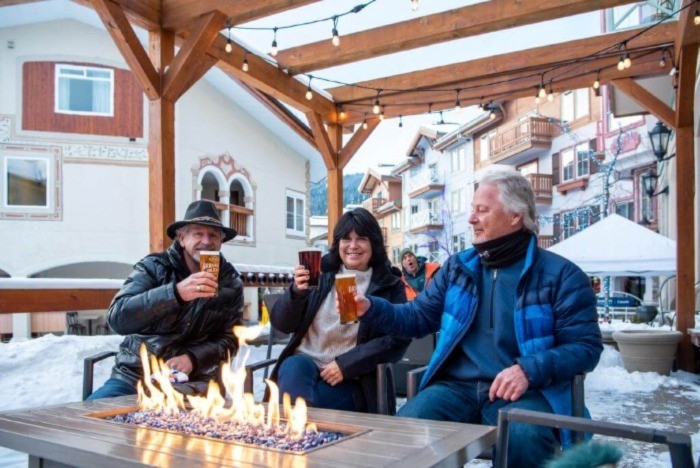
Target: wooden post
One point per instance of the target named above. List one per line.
(685, 245)
(335, 182)
(161, 148)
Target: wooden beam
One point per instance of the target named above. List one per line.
(161, 149)
(685, 244)
(467, 21)
(177, 13)
(647, 100)
(282, 112)
(271, 80)
(685, 93)
(648, 66)
(505, 63)
(356, 142)
(687, 33)
(334, 178)
(189, 59)
(54, 300)
(323, 142)
(118, 26)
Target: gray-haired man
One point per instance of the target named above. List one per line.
(516, 324)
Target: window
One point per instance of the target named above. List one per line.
(625, 209)
(575, 221)
(396, 255)
(26, 182)
(84, 90)
(30, 183)
(576, 162)
(459, 243)
(295, 213)
(528, 168)
(457, 159)
(458, 202)
(574, 104)
(396, 221)
(615, 124)
(414, 209)
(484, 148)
(646, 203)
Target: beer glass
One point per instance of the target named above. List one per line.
(209, 262)
(311, 260)
(346, 287)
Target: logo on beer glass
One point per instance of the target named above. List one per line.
(346, 287)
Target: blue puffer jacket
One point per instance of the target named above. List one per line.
(555, 320)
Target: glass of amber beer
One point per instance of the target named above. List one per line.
(311, 259)
(209, 262)
(346, 287)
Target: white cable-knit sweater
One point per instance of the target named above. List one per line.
(327, 337)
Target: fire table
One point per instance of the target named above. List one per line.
(67, 435)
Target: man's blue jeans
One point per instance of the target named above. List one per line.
(113, 388)
(468, 402)
(299, 376)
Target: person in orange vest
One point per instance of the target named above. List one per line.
(417, 272)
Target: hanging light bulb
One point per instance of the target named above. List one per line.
(537, 98)
(336, 38)
(309, 94)
(245, 67)
(543, 93)
(364, 124)
(621, 63)
(375, 109)
(696, 18)
(673, 71)
(627, 61)
(550, 95)
(229, 45)
(414, 5)
(596, 83)
(343, 114)
(458, 107)
(662, 62)
(492, 115)
(381, 114)
(400, 121)
(273, 47)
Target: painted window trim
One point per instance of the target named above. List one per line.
(57, 76)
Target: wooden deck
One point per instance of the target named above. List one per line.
(64, 435)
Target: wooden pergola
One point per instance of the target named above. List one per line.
(194, 27)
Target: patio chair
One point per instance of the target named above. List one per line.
(275, 336)
(89, 369)
(75, 327)
(679, 445)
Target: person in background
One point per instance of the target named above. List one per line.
(329, 364)
(183, 315)
(516, 323)
(417, 272)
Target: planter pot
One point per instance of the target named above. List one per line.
(648, 350)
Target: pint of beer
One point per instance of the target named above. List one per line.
(311, 259)
(346, 287)
(209, 262)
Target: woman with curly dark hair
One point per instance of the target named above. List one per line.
(329, 364)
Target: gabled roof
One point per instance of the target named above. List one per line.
(423, 132)
(375, 174)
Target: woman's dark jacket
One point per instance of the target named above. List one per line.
(148, 310)
(293, 313)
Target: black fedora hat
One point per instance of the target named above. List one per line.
(204, 213)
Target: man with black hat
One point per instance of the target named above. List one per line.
(183, 315)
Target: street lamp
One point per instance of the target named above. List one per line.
(659, 136)
(649, 181)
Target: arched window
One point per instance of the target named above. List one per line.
(219, 179)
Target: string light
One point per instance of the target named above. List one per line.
(343, 114)
(662, 62)
(245, 67)
(627, 61)
(229, 45)
(537, 97)
(543, 92)
(364, 122)
(550, 96)
(696, 18)
(273, 47)
(309, 94)
(381, 114)
(400, 121)
(336, 37)
(414, 5)
(375, 109)
(458, 107)
(596, 83)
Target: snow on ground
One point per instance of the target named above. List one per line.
(49, 370)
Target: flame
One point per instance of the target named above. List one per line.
(240, 407)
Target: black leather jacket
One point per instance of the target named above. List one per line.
(295, 314)
(147, 309)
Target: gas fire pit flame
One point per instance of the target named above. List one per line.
(163, 399)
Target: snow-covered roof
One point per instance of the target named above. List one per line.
(607, 248)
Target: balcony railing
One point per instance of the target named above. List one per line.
(237, 217)
(372, 204)
(545, 242)
(542, 186)
(533, 132)
(423, 184)
(425, 220)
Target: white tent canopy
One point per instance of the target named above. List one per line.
(616, 246)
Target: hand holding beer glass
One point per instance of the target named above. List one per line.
(308, 272)
(209, 261)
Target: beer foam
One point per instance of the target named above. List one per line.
(346, 275)
(209, 252)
